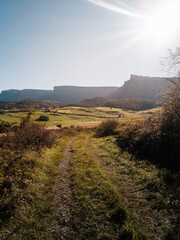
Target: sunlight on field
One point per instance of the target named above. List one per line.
(68, 116)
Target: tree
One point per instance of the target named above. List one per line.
(171, 99)
(28, 118)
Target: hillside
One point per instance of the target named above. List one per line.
(75, 94)
(137, 87)
(68, 94)
(24, 104)
(126, 103)
(140, 87)
(17, 95)
(92, 102)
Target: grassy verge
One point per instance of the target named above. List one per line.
(32, 216)
(101, 214)
(142, 187)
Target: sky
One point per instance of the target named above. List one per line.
(47, 43)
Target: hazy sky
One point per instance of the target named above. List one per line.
(45, 43)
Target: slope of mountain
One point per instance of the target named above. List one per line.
(126, 104)
(66, 94)
(92, 102)
(140, 87)
(137, 87)
(71, 94)
(24, 104)
(16, 95)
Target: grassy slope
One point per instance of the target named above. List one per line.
(34, 213)
(140, 185)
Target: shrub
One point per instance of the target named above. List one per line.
(5, 126)
(43, 118)
(155, 139)
(30, 136)
(106, 128)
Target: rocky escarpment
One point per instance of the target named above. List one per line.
(141, 87)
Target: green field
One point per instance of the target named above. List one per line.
(68, 116)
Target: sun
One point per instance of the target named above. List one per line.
(163, 23)
(156, 26)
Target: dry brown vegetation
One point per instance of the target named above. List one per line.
(106, 128)
(20, 151)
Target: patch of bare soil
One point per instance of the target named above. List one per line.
(62, 225)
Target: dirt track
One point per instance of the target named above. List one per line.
(62, 225)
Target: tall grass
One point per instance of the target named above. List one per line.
(27, 171)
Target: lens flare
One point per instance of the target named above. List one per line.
(164, 23)
(158, 27)
(117, 9)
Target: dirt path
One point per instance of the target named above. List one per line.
(83, 198)
(62, 224)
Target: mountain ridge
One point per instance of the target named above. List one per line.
(137, 87)
(65, 94)
(142, 87)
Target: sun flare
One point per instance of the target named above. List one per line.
(156, 26)
(164, 22)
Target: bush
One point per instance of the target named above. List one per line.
(106, 128)
(43, 118)
(156, 140)
(30, 136)
(5, 126)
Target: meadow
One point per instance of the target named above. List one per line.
(78, 116)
